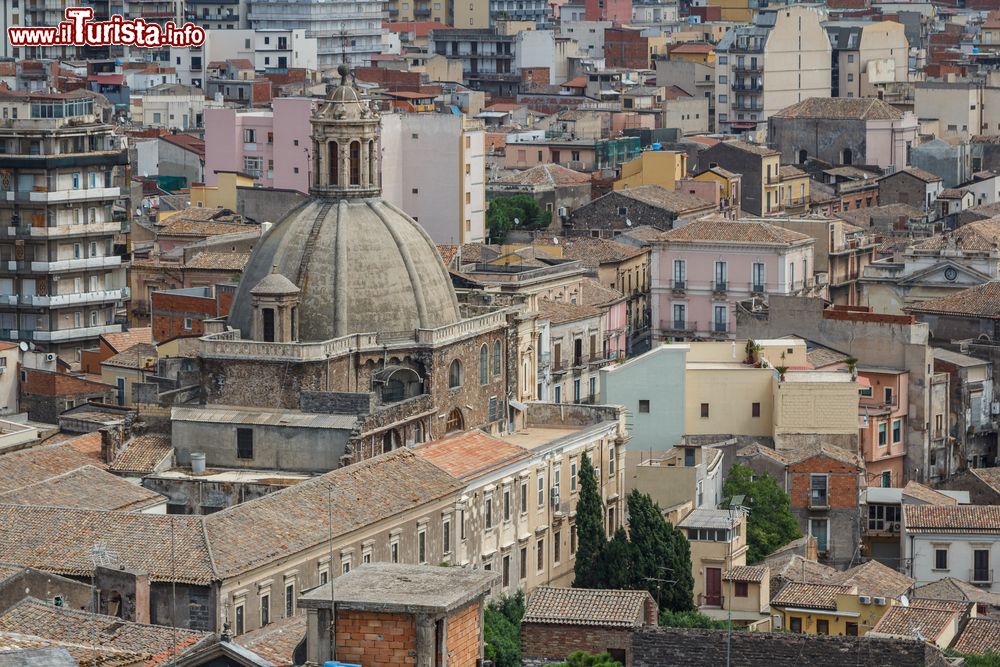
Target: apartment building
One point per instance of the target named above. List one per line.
(434, 168)
(882, 414)
(350, 31)
(700, 271)
(60, 281)
(760, 168)
(957, 541)
(273, 146)
(782, 58)
(486, 54)
(870, 58)
(959, 106)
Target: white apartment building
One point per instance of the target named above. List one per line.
(783, 58)
(281, 49)
(960, 541)
(60, 281)
(434, 168)
(344, 31)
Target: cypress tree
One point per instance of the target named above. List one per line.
(590, 536)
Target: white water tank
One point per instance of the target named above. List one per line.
(197, 462)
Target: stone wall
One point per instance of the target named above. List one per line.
(44, 586)
(979, 492)
(205, 496)
(556, 642)
(195, 605)
(336, 402)
(655, 647)
(820, 138)
(552, 414)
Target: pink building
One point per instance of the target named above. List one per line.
(882, 412)
(271, 146)
(618, 11)
(702, 270)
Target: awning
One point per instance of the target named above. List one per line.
(517, 405)
(863, 381)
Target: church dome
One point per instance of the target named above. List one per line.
(361, 264)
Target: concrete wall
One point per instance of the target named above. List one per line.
(44, 586)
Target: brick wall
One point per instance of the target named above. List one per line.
(465, 635)
(842, 488)
(170, 310)
(696, 648)
(626, 48)
(556, 642)
(370, 638)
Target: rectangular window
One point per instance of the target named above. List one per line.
(818, 490)
(240, 620)
(488, 511)
(244, 443)
(611, 521)
(394, 550)
(572, 540)
(888, 395)
(249, 136)
(446, 536)
(524, 564)
(897, 430)
(524, 497)
(704, 410)
(643, 405)
(540, 557)
(461, 524)
(265, 610)
(795, 624)
(556, 547)
(758, 277)
(506, 504)
(572, 476)
(505, 568)
(819, 528)
(882, 437)
(822, 626)
(289, 599)
(689, 457)
(740, 589)
(680, 274)
(941, 559)
(541, 490)
(755, 409)
(611, 461)
(981, 572)
(422, 546)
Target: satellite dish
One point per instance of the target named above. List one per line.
(903, 600)
(628, 222)
(555, 240)
(23, 345)
(517, 221)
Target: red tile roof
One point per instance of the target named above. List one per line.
(693, 47)
(578, 82)
(187, 142)
(472, 454)
(982, 301)
(582, 606)
(981, 635)
(973, 519)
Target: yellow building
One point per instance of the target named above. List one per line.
(692, 52)
(135, 365)
(663, 168)
(739, 11)
(730, 186)
(794, 189)
(223, 194)
(989, 34)
(747, 595)
(718, 544)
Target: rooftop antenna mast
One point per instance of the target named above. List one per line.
(100, 556)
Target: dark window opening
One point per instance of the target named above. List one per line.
(267, 316)
(355, 163)
(244, 443)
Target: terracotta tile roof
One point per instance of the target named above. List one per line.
(668, 200)
(756, 149)
(155, 643)
(593, 293)
(447, 252)
(583, 606)
(30, 466)
(472, 454)
(19, 643)
(989, 476)
(241, 63)
(875, 579)
(577, 82)
(123, 340)
(787, 567)
(757, 449)
(715, 230)
(89, 445)
(952, 193)
(750, 573)
(974, 519)
(675, 93)
(901, 621)
(547, 174)
(142, 454)
(981, 635)
(692, 47)
(187, 142)
(139, 356)
(916, 172)
(951, 588)
(7, 571)
(810, 596)
(981, 301)
(287, 521)
(60, 540)
(841, 108)
(218, 261)
(87, 487)
(593, 252)
(277, 641)
(788, 171)
(560, 312)
(980, 235)
(926, 494)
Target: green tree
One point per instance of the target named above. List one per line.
(518, 211)
(617, 562)
(502, 630)
(689, 619)
(584, 659)
(590, 539)
(771, 524)
(662, 555)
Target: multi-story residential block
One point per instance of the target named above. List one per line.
(557, 190)
(718, 540)
(434, 168)
(695, 78)
(271, 146)
(870, 58)
(973, 418)
(170, 106)
(882, 417)
(842, 252)
(702, 269)
(60, 178)
(218, 14)
(276, 49)
(487, 56)
(960, 107)
(933, 268)
(783, 58)
(952, 541)
(911, 186)
(653, 167)
(684, 478)
(760, 169)
(576, 346)
(882, 529)
(616, 11)
(344, 31)
(824, 485)
(621, 210)
(843, 131)
(527, 484)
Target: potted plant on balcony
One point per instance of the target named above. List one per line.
(852, 366)
(753, 350)
(781, 372)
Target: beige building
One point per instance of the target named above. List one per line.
(170, 106)
(516, 512)
(869, 57)
(960, 107)
(663, 168)
(783, 58)
(718, 544)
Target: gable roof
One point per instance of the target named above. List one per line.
(276, 642)
(748, 573)
(981, 301)
(989, 476)
(755, 149)
(955, 519)
(660, 197)
(584, 606)
(560, 312)
(727, 231)
(593, 252)
(926, 494)
(86, 487)
(981, 635)
(980, 235)
(547, 174)
(916, 172)
(156, 644)
(188, 142)
(35, 464)
(841, 108)
(875, 579)
(929, 620)
(136, 357)
(212, 260)
(471, 454)
(810, 596)
(123, 340)
(951, 588)
(142, 454)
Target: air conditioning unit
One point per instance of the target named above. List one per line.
(880, 601)
(995, 408)
(562, 211)
(777, 621)
(864, 599)
(50, 357)
(894, 526)
(554, 496)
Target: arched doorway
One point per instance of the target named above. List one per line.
(390, 441)
(455, 421)
(847, 156)
(803, 156)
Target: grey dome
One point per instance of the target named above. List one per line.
(275, 284)
(362, 266)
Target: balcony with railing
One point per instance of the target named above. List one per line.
(75, 299)
(720, 286)
(979, 576)
(708, 600)
(742, 86)
(819, 499)
(678, 285)
(678, 326)
(79, 264)
(757, 287)
(721, 328)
